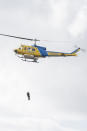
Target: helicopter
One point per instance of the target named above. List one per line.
(34, 52)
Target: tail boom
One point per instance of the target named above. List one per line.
(50, 53)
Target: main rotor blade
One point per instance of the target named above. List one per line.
(19, 37)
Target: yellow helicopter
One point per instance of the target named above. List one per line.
(34, 52)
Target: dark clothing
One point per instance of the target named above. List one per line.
(28, 95)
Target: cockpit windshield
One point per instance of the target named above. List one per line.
(20, 48)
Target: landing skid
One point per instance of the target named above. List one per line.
(24, 59)
(29, 61)
(20, 56)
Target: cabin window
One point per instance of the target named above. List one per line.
(33, 49)
(24, 48)
(29, 49)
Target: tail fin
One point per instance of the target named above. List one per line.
(75, 51)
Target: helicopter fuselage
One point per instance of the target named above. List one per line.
(33, 52)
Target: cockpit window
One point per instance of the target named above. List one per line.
(20, 48)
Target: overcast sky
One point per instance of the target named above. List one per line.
(58, 86)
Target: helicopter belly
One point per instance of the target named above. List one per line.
(29, 56)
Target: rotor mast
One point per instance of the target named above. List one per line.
(35, 40)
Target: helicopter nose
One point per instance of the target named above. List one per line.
(15, 50)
